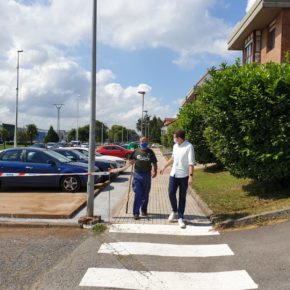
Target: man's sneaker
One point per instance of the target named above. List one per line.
(136, 216)
(181, 223)
(172, 217)
(144, 212)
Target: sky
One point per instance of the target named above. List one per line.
(160, 46)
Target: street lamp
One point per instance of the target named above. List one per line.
(16, 114)
(58, 106)
(145, 122)
(142, 93)
(77, 131)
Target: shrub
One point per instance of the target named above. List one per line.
(247, 114)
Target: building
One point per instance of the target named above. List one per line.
(167, 122)
(192, 94)
(264, 33)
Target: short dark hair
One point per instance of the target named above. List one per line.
(179, 134)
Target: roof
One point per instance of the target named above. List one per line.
(168, 121)
(262, 13)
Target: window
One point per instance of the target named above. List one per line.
(14, 155)
(271, 36)
(248, 51)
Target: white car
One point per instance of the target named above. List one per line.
(120, 161)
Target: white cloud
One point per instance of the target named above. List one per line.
(52, 32)
(250, 4)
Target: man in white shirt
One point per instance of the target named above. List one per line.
(181, 174)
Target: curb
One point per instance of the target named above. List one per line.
(203, 206)
(253, 219)
(35, 224)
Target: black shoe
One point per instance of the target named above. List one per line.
(144, 212)
(136, 216)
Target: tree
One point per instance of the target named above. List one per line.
(246, 110)
(191, 120)
(31, 131)
(22, 137)
(4, 135)
(51, 136)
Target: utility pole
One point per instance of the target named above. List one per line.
(142, 93)
(16, 114)
(92, 139)
(77, 130)
(58, 107)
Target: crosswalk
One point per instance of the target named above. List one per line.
(124, 278)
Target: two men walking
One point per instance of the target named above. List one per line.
(145, 167)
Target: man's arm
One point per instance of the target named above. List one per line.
(191, 161)
(154, 173)
(168, 163)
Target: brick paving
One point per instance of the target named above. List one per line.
(159, 206)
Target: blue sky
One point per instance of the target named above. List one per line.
(161, 46)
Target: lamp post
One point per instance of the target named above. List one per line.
(77, 131)
(142, 93)
(92, 139)
(16, 113)
(145, 123)
(58, 107)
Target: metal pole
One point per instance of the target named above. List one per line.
(127, 135)
(58, 106)
(142, 93)
(77, 131)
(102, 138)
(16, 113)
(92, 138)
(122, 135)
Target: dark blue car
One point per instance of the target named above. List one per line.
(36, 160)
(77, 156)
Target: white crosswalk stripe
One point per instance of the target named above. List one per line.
(166, 250)
(163, 230)
(132, 279)
(123, 278)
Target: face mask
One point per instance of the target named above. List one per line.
(143, 145)
(174, 140)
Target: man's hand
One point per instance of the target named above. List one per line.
(190, 180)
(162, 170)
(154, 174)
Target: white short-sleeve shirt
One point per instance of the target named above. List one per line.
(183, 156)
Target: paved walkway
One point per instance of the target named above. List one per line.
(159, 206)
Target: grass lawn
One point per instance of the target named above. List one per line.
(230, 197)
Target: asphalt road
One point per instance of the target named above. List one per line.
(59, 258)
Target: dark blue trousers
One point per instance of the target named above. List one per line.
(174, 184)
(141, 186)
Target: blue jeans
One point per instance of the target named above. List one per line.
(141, 186)
(174, 183)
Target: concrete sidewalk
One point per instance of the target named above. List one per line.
(159, 206)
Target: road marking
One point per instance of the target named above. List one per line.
(163, 230)
(128, 279)
(168, 250)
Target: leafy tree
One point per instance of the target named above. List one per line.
(246, 110)
(22, 137)
(4, 135)
(31, 131)
(191, 119)
(51, 136)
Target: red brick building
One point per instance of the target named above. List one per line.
(264, 33)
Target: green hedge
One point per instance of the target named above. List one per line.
(246, 109)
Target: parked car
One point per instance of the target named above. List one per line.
(120, 161)
(50, 145)
(77, 156)
(37, 160)
(115, 150)
(38, 145)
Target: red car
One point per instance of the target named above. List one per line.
(114, 150)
